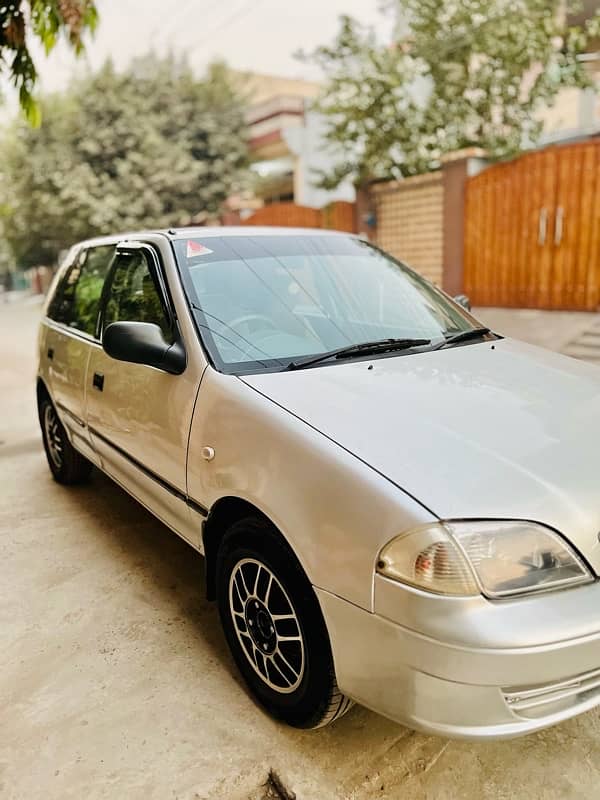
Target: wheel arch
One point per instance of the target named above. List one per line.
(224, 513)
(41, 391)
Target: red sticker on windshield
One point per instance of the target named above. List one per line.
(194, 249)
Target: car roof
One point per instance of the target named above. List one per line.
(248, 230)
(212, 231)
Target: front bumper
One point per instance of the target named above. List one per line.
(474, 688)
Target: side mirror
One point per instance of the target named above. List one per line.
(463, 301)
(143, 343)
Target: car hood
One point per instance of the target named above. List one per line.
(486, 430)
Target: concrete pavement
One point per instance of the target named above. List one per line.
(115, 681)
(573, 333)
(554, 330)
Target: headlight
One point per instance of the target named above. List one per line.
(497, 559)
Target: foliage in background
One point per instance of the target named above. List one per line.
(45, 20)
(467, 72)
(150, 147)
(5, 258)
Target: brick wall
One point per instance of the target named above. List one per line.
(410, 222)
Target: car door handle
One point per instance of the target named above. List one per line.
(98, 381)
(50, 353)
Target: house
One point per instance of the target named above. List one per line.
(575, 114)
(287, 141)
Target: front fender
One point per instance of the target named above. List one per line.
(334, 510)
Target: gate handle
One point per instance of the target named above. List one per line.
(558, 225)
(542, 226)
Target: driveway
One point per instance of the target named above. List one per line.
(555, 330)
(115, 681)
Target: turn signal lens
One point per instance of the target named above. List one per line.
(429, 559)
(496, 558)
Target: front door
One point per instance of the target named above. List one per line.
(138, 416)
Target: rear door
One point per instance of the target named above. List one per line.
(139, 417)
(71, 336)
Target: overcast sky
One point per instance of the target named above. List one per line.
(260, 35)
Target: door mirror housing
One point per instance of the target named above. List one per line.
(463, 301)
(143, 343)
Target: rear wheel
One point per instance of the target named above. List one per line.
(66, 464)
(274, 627)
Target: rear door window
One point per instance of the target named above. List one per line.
(57, 289)
(77, 300)
(59, 304)
(95, 263)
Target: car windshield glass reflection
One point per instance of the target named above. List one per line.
(263, 301)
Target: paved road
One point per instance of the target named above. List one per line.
(115, 681)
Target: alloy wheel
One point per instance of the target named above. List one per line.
(266, 625)
(53, 436)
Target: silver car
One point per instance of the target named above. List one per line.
(396, 506)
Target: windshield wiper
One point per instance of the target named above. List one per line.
(462, 336)
(361, 349)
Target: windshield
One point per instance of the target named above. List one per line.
(262, 301)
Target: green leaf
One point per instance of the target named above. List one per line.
(44, 20)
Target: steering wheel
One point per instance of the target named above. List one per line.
(253, 323)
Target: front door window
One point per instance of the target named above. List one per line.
(133, 295)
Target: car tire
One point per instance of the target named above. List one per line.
(275, 628)
(66, 464)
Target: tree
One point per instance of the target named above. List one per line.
(469, 72)
(151, 147)
(5, 259)
(46, 20)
